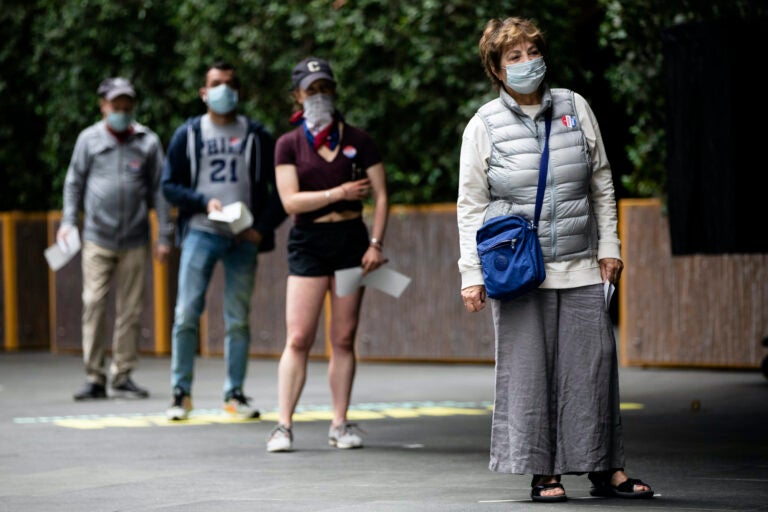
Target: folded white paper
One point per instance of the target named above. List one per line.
(608, 289)
(236, 216)
(387, 280)
(62, 252)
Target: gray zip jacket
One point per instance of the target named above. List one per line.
(116, 184)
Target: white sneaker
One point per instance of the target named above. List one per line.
(239, 406)
(343, 437)
(280, 439)
(180, 407)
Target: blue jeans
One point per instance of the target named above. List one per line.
(199, 253)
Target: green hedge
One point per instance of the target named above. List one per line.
(408, 72)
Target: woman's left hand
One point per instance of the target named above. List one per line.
(474, 297)
(373, 259)
(610, 269)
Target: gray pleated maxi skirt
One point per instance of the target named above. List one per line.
(556, 407)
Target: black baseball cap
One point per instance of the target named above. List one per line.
(309, 70)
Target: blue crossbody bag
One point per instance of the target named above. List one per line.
(509, 247)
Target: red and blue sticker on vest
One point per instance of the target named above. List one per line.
(569, 121)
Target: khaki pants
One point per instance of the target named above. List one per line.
(100, 267)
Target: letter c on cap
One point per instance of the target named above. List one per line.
(313, 66)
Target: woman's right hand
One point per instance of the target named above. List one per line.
(356, 190)
(474, 297)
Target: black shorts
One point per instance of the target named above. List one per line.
(321, 248)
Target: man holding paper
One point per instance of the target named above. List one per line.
(114, 176)
(220, 174)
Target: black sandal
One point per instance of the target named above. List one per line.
(537, 488)
(601, 481)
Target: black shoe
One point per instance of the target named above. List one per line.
(91, 391)
(128, 389)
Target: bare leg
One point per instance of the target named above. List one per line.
(341, 368)
(303, 302)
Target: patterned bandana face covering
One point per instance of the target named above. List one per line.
(318, 112)
(526, 77)
(328, 136)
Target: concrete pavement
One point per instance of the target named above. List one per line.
(697, 436)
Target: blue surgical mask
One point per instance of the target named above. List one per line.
(119, 121)
(526, 77)
(222, 99)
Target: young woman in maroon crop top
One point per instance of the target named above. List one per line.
(324, 168)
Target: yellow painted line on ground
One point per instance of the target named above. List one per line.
(212, 417)
(450, 411)
(148, 421)
(366, 415)
(365, 412)
(401, 413)
(81, 424)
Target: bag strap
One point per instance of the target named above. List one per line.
(542, 171)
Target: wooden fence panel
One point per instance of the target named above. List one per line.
(697, 310)
(700, 310)
(25, 281)
(4, 344)
(428, 321)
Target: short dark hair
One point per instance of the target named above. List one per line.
(222, 65)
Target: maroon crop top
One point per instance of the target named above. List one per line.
(356, 154)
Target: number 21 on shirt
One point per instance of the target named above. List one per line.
(224, 169)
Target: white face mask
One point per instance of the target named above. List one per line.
(318, 111)
(526, 77)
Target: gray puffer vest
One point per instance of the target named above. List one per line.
(567, 227)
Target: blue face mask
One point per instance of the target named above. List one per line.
(119, 121)
(526, 77)
(222, 99)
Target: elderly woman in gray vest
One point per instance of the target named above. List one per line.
(556, 407)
